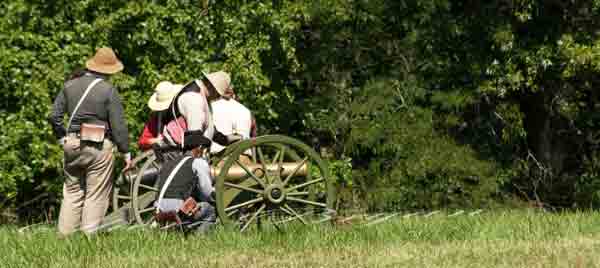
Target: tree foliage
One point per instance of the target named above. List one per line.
(415, 103)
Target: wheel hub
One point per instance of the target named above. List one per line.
(275, 193)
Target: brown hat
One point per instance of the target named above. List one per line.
(105, 61)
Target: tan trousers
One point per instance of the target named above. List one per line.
(86, 191)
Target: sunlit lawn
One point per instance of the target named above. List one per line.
(499, 239)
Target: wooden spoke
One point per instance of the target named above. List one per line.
(150, 221)
(287, 179)
(279, 156)
(251, 174)
(280, 163)
(124, 197)
(293, 212)
(305, 184)
(254, 156)
(312, 190)
(148, 187)
(253, 217)
(155, 164)
(250, 202)
(262, 160)
(229, 214)
(282, 156)
(275, 157)
(130, 174)
(240, 187)
(297, 193)
(306, 202)
(146, 210)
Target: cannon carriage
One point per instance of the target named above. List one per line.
(265, 181)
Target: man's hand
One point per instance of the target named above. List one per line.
(161, 146)
(128, 164)
(233, 138)
(156, 140)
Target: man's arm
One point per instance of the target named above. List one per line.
(149, 133)
(202, 174)
(57, 115)
(117, 122)
(225, 140)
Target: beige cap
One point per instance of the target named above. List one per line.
(221, 81)
(163, 95)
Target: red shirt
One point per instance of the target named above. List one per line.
(150, 132)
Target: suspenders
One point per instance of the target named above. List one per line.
(169, 180)
(87, 90)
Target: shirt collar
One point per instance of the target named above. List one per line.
(95, 74)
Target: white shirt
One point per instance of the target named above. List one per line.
(230, 117)
(193, 106)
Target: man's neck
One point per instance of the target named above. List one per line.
(96, 74)
(206, 94)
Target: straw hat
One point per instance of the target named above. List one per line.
(221, 81)
(163, 95)
(105, 61)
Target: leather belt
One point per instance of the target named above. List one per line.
(78, 136)
(74, 134)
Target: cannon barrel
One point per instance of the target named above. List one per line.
(285, 169)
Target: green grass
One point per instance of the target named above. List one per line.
(500, 239)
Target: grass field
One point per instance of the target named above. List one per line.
(498, 239)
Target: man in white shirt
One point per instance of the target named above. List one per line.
(190, 107)
(230, 117)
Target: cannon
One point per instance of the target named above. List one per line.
(264, 181)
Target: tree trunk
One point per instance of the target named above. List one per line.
(548, 147)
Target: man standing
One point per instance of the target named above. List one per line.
(96, 123)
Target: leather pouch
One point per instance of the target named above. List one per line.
(166, 217)
(189, 207)
(92, 132)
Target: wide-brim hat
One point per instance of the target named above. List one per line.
(163, 95)
(220, 81)
(104, 61)
(194, 138)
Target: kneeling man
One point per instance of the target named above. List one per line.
(186, 186)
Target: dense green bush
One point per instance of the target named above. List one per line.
(407, 163)
(415, 103)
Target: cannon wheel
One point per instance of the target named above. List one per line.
(121, 197)
(270, 198)
(144, 193)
